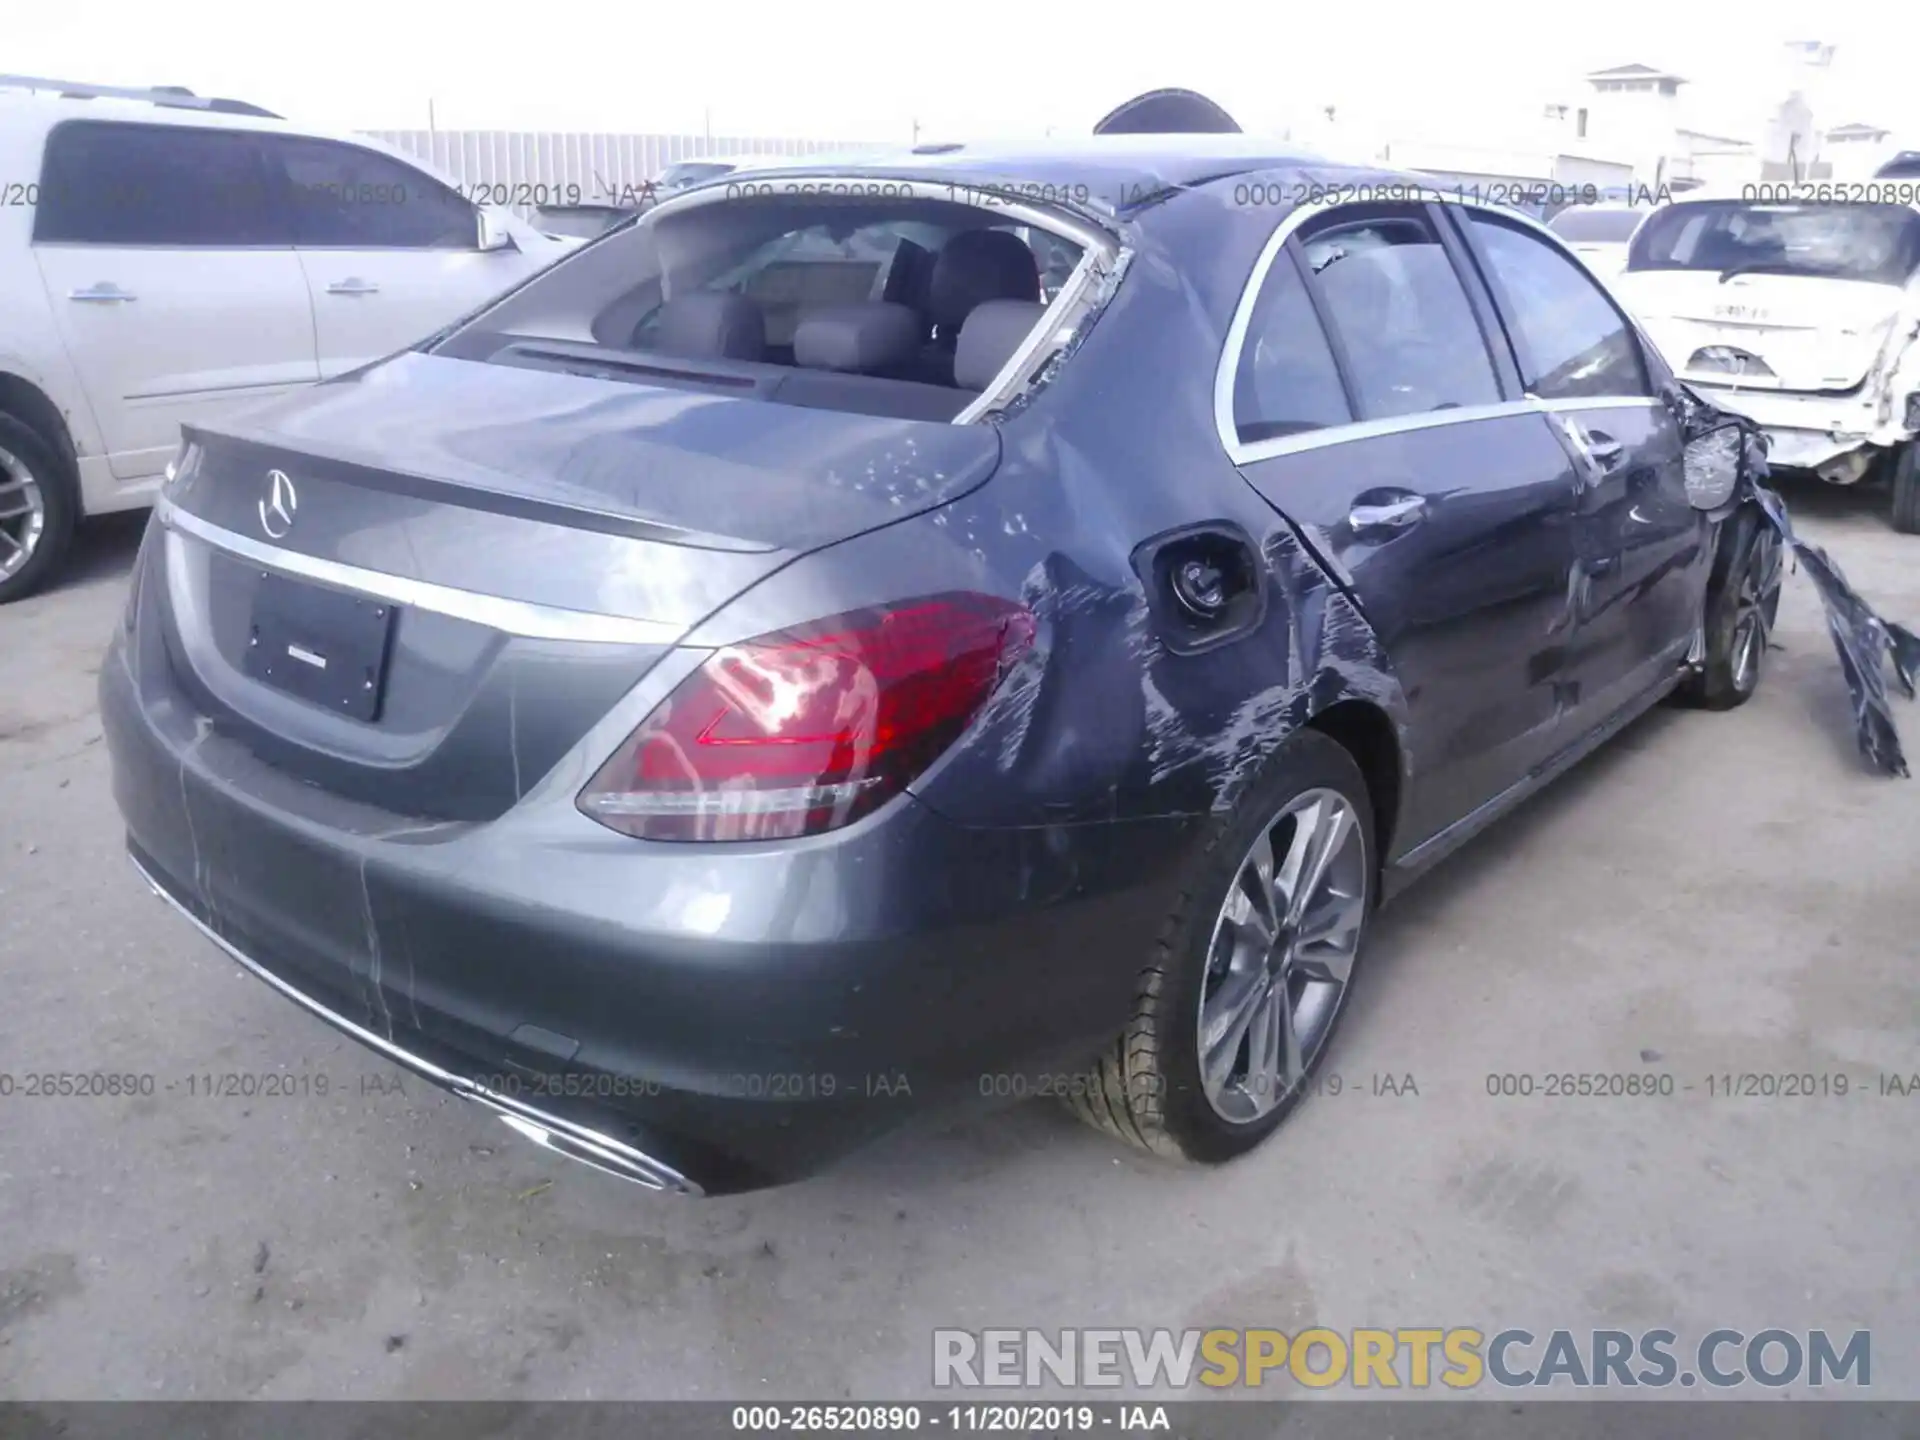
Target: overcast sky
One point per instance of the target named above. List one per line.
(977, 68)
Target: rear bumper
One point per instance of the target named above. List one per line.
(1814, 432)
(603, 1152)
(704, 1018)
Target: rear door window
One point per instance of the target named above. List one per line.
(348, 198)
(1399, 314)
(163, 186)
(1287, 382)
(1571, 340)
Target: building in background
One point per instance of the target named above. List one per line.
(1635, 110)
(1790, 142)
(1641, 113)
(1541, 172)
(1856, 151)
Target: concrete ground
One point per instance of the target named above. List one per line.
(1711, 894)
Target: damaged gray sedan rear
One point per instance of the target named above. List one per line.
(784, 670)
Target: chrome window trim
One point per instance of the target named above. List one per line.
(1250, 452)
(1330, 435)
(514, 617)
(1596, 402)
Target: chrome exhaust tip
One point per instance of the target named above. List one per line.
(601, 1153)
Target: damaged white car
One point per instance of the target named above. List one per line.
(1798, 306)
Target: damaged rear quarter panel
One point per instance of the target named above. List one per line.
(1101, 721)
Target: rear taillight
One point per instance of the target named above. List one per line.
(810, 728)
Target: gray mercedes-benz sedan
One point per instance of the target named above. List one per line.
(774, 674)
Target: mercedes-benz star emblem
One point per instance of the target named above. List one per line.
(279, 505)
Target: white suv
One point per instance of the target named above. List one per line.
(168, 258)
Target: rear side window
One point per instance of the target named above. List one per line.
(1287, 382)
(357, 199)
(1572, 340)
(156, 185)
(1401, 317)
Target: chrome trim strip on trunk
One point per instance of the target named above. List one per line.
(563, 1137)
(515, 617)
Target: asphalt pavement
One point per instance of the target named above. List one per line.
(1712, 896)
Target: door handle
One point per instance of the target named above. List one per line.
(103, 292)
(1603, 449)
(353, 285)
(1395, 514)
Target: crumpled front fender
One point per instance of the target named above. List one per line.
(1866, 643)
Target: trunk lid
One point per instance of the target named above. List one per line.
(457, 568)
(668, 465)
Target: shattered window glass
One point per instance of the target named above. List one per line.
(1878, 243)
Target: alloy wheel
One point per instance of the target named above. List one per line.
(23, 514)
(1281, 955)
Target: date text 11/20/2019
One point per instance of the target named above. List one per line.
(1003, 1418)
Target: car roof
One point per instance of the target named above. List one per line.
(48, 109)
(1110, 172)
(43, 110)
(1782, 192)
(740, 160)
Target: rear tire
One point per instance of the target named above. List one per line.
(1906, 488)
(39, 506)
(1212, 963)
(1743, 598)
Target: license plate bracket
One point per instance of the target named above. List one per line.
(327, 647)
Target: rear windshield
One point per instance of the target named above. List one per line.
(899, 303)
(1596, 227)
(1879, 243)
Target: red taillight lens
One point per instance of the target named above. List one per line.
(811, 728)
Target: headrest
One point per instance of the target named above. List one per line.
(711, 325)
(987, 341)
(979, 265)
(864, 337)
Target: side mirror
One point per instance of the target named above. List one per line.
(1715, 464)
(494, 234)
